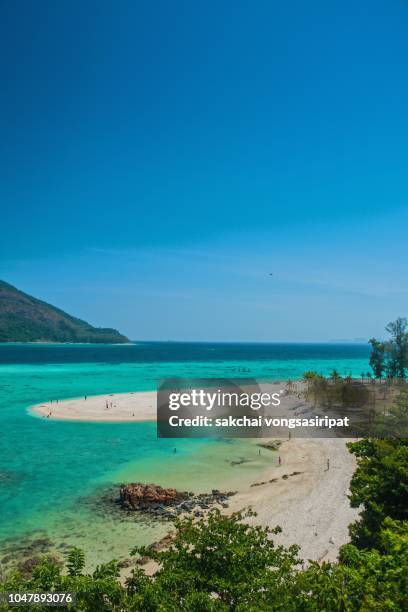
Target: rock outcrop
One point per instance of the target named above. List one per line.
(139, 496)
(169, 503)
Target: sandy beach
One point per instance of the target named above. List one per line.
(311, 507)
(306, 499)
(114, 407)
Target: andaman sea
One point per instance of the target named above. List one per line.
(58, 480)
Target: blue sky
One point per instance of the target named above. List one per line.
(160, 159)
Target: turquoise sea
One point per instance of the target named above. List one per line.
(57, 479)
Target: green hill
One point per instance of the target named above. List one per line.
(23, 318)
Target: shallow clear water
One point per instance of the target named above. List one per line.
(52, 472)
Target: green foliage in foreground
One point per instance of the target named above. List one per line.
(224, 557)
(380, 485)
(364, 580)
(224, 564)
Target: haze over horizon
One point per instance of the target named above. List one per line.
(160, 161)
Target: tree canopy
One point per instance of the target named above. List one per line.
(391, 357)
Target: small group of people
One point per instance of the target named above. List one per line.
(47, 416)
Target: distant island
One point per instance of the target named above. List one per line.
(24, 318)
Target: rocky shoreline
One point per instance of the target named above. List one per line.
(167, 504)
